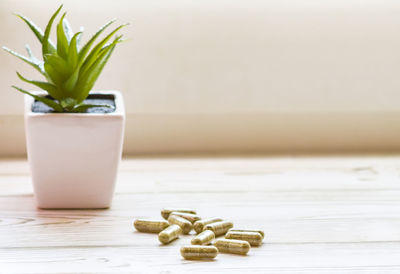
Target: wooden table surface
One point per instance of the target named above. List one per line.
(320, 215)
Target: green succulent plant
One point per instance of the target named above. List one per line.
(70, 70)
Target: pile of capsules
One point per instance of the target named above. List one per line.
(181, 221)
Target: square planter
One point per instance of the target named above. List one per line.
(74, 157)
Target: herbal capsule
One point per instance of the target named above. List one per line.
(232, 246)
(150, 226)
(254, 238)
(219, 228)
(199, 225)
(247, 230)
(166, 211)
(188, 216)
(182, 222)
(169, 234)
(199, 252)
(204, 238)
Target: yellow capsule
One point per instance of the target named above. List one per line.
(247, 230)
(199, 225)
(219, 228)
(232, 246)
(166, 211)
(169, 234)
(182, 222)
(188, 216)
(204, 238)
(150, 226)
(199, 252)
(253, 238)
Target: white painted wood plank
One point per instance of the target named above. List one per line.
(245, 163)
(270, 258)
(156, 178)
(285, 220)
(320, 215)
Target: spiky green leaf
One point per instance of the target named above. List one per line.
(35, 29)
(72, 63)
(120, 40)
(62, 41)
(78, 40)
(85, 107)
(68, 103)
(59, 64)
(69, 85)
(44, 100)
(50, 88)
(29, 51)
(54, 75)
(88, 78)
(38, 65)
(86, 47)
(46, 48)
(73, 52)
(91, 58)
(68, 30)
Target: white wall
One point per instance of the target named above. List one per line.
(194, 68)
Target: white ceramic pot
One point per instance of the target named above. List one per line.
(74, 157)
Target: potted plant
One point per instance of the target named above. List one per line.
(74, 135)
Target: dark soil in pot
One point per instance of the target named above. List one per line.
(93, 99)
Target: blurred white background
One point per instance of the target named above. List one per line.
(232, 76)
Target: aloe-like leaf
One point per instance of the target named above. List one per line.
(68, 103)
(57, 68)
(50, 88)
(55, 77)
(68, 30)
(37, 65)
(120, 40)
(78, 40)
(69, 85)
(35, 29)
(59, 64)
(86, 82)
(91, 58)
(88, 78)
(29, 51)
(36, 61)
(86, 47)
(46, 49)
(72, 62)
(85, 107)
(62, 41)
(44, 100)
(73, 52)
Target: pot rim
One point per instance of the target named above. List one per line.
(118, 100)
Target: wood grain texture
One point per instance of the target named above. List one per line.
(320, 215)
